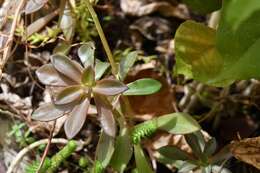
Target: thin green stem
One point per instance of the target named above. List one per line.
(102, 37)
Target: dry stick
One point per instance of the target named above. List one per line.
(24, 151)
(47, 147)
(102, 37)
(9, 41)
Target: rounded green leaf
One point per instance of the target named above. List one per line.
(178, 123)
(109, 87)
(88, 76)
(86, 54)
(126, 63)
(100, 68)
(144, 86)
(68, 95)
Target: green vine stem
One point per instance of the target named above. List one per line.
(102, 37)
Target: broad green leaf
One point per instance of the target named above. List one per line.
(88, 76)
(174, 153)
(100, 68)
(229, 54)
(109, 87)
(144, 86)
(67, 23)
(141, 160)
(49, 76)
(178, 123)
(68, 95)
(47, 112)
(76, 119)
(203, 6)
(105, 149)
(67, 67)
(119, 161)
(126, 63)
(105, 113)
(86, 54)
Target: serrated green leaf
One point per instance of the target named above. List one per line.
(203, 6)
(126, 63)
(178, 123)
(86, 54)
(141, 160)
(144, 86)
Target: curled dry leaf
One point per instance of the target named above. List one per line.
(247, 150)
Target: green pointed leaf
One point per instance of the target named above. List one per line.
(203, 6)
(119, 161)
(67, 67)
(86, 54)
(105, 149)
(88, 76)
(100, 68)
(174, 153)
(141, 160)
(68, 95)
(144, 86)
(126, 63)
(76, 119)
(178, 123)
(47, 112)
(109, 87)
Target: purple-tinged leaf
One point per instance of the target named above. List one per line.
(88, 76)
(49, 76)
(76, 119)
(67, 67)
(109, 87)
(105, 113)
(34, 5)
(68, 95)
(47, 112)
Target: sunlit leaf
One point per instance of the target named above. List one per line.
(67, 23)
(141, 160)
(47, 112)
(174, 153)
(34, 5)
(119, 161)
(126, 63)
(88, 76)
(105, 113)
(76, 119)
(178, 123)
(100, 68)
(49, 76)
(86, 54)
(67, 67)
(203, 6)
(144, 86)
(68, 95)
(105, 149)
(109, 87)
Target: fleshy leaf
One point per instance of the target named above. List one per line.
(88, 76)
(47, 112)
(203, 6)
(49, 76)
(34, 5)
(174, 153)
(86, 54)
(178, 123)
(76, 119)
(67, 67)
(68, 95)
(119, 161)
(144, 86)
(141, 160)
(105, 149)
(100, 68)
(126, 63)
(105, 113)
(109, 87)
(62, 48)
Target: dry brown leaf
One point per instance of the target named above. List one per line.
(247, 150)
(145, 7)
